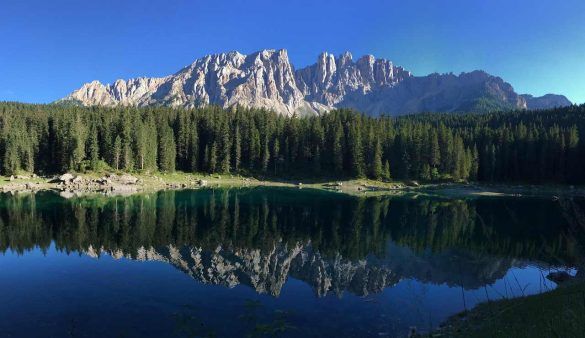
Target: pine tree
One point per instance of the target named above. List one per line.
(474, 170)
(237, 145)
(128, 157)
(194, 147)
(426, 172)
(141, 145)
(377, 169)
(316, 161)
(386, 171)
(356, 151)
(254, 148)
(166, 149)
(434, 150)
(117, 152)
(11, 160)
(265, 155)
(338, 149)
(93, 149)
(78, 141)
(225, 153)
(212, 164)
(275, 154)
(127, 131)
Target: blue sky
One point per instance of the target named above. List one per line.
(50, 48)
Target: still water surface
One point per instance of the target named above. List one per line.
(270, 262)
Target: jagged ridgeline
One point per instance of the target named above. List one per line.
(540, 147)
(267, 79)
(259, 237)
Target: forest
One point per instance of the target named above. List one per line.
(518, 146)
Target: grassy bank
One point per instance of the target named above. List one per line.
(179, 180)
(357, 187)
(558, 313)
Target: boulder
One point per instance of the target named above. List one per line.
(102, 180)
(121, 188)
(127, 179)
(66, 177)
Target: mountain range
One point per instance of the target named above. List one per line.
(266, 271)
(267, 79)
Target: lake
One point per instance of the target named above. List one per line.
(270, 262)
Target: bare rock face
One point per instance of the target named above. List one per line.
(267, 79)
(331, 79)
(546, 101)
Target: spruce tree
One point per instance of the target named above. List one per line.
(237, 148)
(337, 153)
(93, 149)
(166, 149)
(376, 166)
(386, 171)
(117, 152)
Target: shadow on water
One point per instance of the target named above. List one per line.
(337, 245)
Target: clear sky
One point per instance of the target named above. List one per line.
(51, 47)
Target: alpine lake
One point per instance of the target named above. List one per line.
(271, 261)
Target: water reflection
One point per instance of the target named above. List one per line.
(334, 243)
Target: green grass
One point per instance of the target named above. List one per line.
(558, 313)
(152, 181)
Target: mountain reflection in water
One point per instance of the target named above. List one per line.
(336, 244)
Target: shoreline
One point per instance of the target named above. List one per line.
(73, 184)
(556, 312)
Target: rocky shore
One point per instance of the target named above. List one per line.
(70, 184)
(75, 184)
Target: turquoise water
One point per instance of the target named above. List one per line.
(270, 262)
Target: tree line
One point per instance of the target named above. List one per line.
(539, 147)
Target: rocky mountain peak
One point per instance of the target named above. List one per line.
(345, 59)
(267, 79)
(546, 101)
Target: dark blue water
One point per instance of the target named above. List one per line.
(269, 262)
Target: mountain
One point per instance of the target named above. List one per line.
(267, 79)
(267, 270)
(547, 101)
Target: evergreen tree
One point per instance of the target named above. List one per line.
(356, 151)
(265, 155)
(166, 149)
(338, 149)
(386, 171)
(275, 154)
(237, 145)
(225, 152)
(117, 152)
(93, 149)
(377, 169)
(79, 137)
